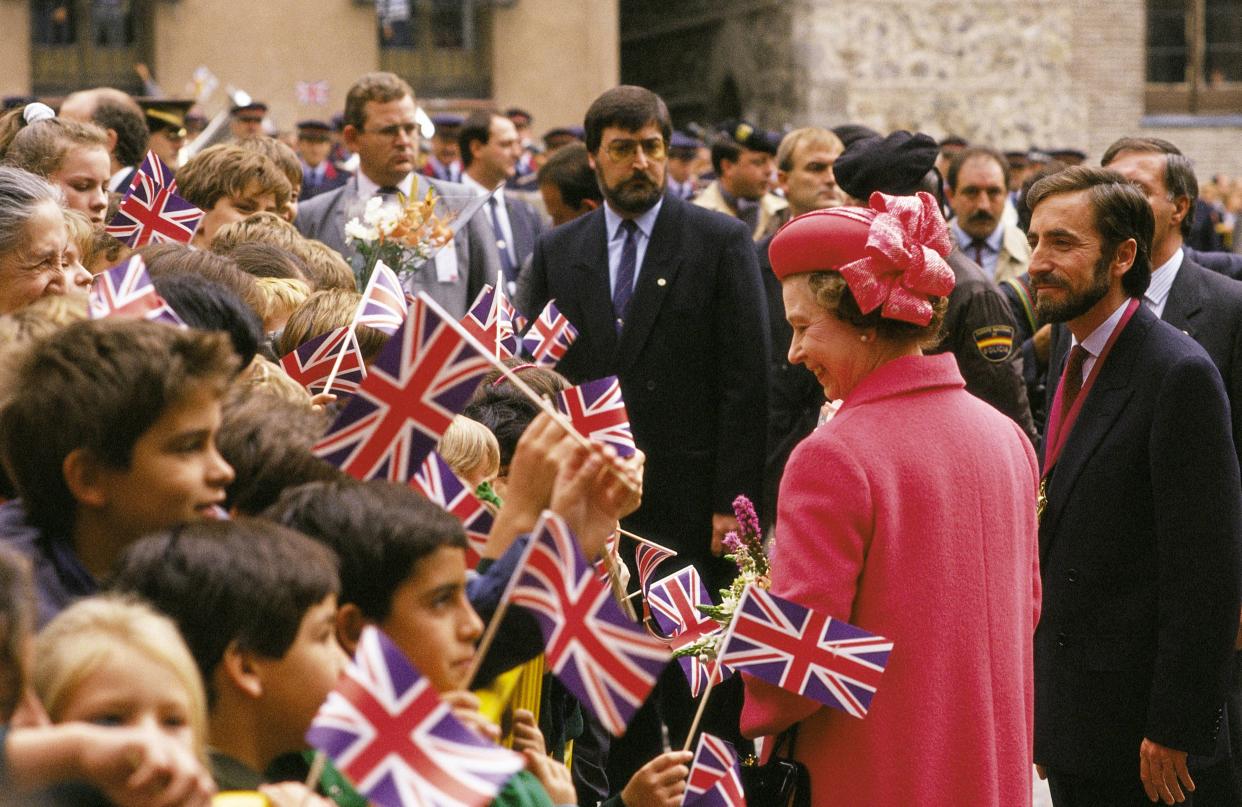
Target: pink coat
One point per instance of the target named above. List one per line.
(912, 515)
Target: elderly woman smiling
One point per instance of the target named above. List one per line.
(910, 514)
(33, 242)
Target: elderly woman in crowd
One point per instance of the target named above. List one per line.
(910, 514)
(33, 242)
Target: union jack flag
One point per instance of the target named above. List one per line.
(597, 411)
(436, 480)
(550, 336)
(385, 727)
(494, 321)
(312, 362)
(312, 93)
(715, 777)
(423, 377)
(384, 305)
(648, 557)
(126, 290)
(151, 210)
(674, 602)
(807, 653)
(612, 548)
(608, 662)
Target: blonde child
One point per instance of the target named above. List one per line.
(471, 451)
(131, 765)
(72, 156)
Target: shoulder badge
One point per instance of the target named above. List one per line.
(995, 342)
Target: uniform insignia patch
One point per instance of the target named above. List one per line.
(995, 342)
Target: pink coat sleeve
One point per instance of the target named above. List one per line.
(824, 526)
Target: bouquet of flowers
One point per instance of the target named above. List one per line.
(745, 548)
(402, 236)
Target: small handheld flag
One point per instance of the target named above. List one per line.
(550, 337)
(311, 363)
(151, 211)
(674, 602)
(807, 653)
(607, 661)
(126, 290)
(597, 411)
(424, 375)
(648, 557)
(437, 481)
(715, 776)
(386, 729)
(383, 305)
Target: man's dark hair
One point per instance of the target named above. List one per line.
(130, 126)
(98, 386)
(1120, 210)
(569, 170)
(724, 149)
(246, 581)
(970, 153)
(210, 306)
(1179, 171)
(378, 530)
(477, 127)
(268, 440)
(627, 107)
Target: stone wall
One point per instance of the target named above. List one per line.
(14, 47)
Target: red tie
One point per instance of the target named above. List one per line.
(1073, 377)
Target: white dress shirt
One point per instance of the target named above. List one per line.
(1162, 277)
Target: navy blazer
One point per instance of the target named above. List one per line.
(692, 359)
(1139, 560)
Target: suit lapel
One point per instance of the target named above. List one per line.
(592, 275)
(1185, 299)
(1100, 412)
(657, 275)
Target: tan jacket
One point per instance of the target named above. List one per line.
(1015, 254)
(712, 199)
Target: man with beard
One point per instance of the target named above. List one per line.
(1140, 513)
(666, 296)
(975, 187)
(381, 127)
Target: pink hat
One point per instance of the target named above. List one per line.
(891, 254)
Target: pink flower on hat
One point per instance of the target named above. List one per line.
(904, 264)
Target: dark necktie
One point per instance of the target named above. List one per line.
(1073, 377)
(506, 262)
(977, 246)
(389, 192)
(624, 289)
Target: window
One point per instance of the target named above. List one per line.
(441, 47)
(1194, 57)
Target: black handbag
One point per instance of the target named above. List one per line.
(781, 782)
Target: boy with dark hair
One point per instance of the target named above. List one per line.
(108, 432)
(256, 604)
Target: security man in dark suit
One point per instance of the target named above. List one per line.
(319, 174)
(666, 296)
(1207, 307)
(978, 327)
(1140, 513)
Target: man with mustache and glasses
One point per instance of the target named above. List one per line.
(666, 296)
(975, 187)
(1139, 513)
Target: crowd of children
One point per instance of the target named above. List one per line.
(182, 580)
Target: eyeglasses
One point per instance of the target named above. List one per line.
(248, 119)
(410, 130)
(621, 150)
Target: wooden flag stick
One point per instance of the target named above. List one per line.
(698, 716)
(340, 356)
(513, 378)
(318, 763)
(493, 626)
(643, 540)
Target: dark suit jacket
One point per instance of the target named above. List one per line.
(526, 226)
(1208, 307)
(692, 358)
(1225, 263)
(1139, 560)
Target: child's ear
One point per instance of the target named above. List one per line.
(240, 672)
(349, 625)
(84, 476)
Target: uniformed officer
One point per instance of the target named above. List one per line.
(978, 327)
(166, 123)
